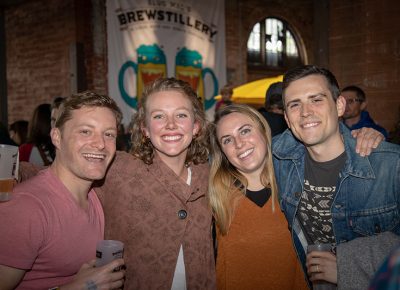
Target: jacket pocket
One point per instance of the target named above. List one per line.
(376, 220)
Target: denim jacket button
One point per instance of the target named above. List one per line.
(377, 229)
(297, 194)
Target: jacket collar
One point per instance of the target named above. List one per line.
(173, 183)
(286, 146)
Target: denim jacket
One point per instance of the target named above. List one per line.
(367, 200)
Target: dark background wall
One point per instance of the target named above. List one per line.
(53, 48)
(57, 47)
(364, 49)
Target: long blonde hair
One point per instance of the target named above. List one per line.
(226, 183)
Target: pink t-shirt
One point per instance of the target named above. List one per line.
(44, 231)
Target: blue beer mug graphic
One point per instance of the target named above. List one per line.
(188, 67)
(151, 65)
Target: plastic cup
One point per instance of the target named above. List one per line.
(319, 248)
(107, 251)
(321, 285)
(9, 162)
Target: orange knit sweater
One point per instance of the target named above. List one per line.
(257, 252)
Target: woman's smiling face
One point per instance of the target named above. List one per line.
(170, 123)
(242, 142)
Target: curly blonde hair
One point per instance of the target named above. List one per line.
(142, 147)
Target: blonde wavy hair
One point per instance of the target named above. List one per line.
(226, 183)
(143, 149)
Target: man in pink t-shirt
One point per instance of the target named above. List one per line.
(50, 228)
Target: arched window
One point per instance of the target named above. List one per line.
(272, 44)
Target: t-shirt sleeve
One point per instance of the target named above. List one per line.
(21, 230)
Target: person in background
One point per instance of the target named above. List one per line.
(55, 105)
(277, 105)
(254, 245)
(355, 116)
(154, 198)
(330, 194)
(226, 96)
(123, 139)
(50, 227)
(39, 149)
(273, 110)
(19, 131)
(5, 137)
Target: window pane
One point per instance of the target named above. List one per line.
(254, 40)
(272, 44)
(254, 45)
(291, 47)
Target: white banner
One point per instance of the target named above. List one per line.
(148, 39)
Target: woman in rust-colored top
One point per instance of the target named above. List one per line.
(254, 244)
(154, 199)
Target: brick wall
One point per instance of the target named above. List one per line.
(362, 38)
(365, 51)
(38, 34)
(363, 47)
(39, 37)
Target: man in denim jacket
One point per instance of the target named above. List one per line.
(328, 192)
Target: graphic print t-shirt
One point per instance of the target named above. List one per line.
(314, 211)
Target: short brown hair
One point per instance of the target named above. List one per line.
(308, 70)
(85, 99)
(359, 92)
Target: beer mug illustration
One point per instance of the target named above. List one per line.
(151, 65)
(188, 67)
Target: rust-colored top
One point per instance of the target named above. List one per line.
(152, 211)
(257, 252)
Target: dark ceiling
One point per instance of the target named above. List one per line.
(7, 3)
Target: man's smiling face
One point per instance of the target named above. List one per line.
(311, 112)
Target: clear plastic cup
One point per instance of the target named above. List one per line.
(9, 162)
(321, 285)
(107, 251)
